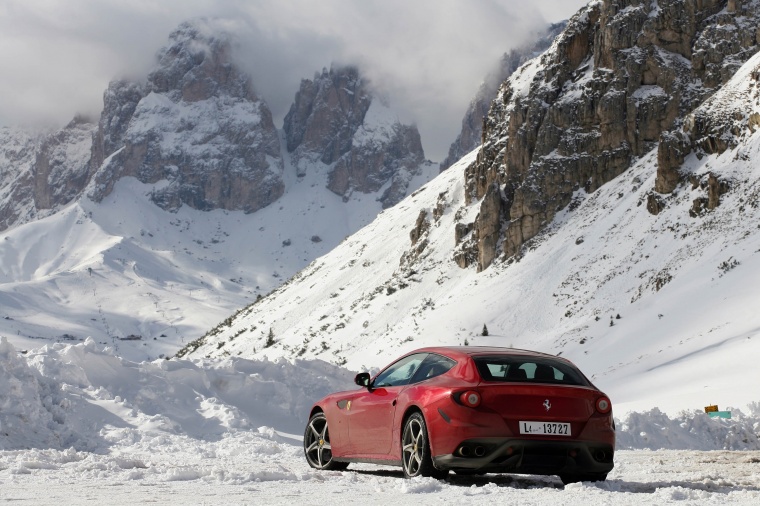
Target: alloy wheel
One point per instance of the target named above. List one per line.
(316, 444)
(413, 445)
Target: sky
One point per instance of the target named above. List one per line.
(428, 56)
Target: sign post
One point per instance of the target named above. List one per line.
(713, 412)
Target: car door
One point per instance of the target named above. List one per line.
(370, 417)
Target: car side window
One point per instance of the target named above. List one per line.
(399, 373)
(434, 365)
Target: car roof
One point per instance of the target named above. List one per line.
(462, 351)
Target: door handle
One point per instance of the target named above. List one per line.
(393, 403)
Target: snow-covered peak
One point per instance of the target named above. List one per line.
(379, 125)
(337, 125)
(197, 64)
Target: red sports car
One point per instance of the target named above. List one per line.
(472, 410)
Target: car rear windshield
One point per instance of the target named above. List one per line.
(510, 368)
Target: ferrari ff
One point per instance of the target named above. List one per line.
(471, 410)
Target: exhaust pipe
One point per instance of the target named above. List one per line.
(600, 455)
(464, 451)
(479, 451)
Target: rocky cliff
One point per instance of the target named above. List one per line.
(623, 73)
(17, 151)
(40, 171)
(337, 121)
(471, 134)
(197, 124)
(61, 165)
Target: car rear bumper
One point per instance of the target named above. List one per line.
(546, 457)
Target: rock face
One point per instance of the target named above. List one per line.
(197, 124)
(42, 171)
(471, 134)
(622, 73)
(335, 120)
(717, 124)
(17, 154)
(61, 165)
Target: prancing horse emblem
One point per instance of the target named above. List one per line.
(547, 405)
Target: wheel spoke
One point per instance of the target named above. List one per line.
(313, 446)
(409, 463)
(314, 430)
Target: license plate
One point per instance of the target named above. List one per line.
(545, 428)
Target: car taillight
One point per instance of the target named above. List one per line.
(603, 405)
(470, 398)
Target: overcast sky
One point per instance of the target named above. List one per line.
(429, 56)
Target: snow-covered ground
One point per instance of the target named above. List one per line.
(80, 425)
(251, 469)
(146, 281)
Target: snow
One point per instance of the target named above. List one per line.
(79, 424)
(684, 288)
(648, 91)
(177, 274)
(521, 80)
(379, 125)
(550, 299)
(86, 415)
(192, 128)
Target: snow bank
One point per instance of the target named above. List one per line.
(83, 397)
(690, 430)
(78, 395)
(31, 406)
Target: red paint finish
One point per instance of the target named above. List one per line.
(515, 386)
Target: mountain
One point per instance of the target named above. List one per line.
(40, 171)
(620, 75)
(185, 200)
(336, 121)
(659, 309)
(471, 134)
(196, 124)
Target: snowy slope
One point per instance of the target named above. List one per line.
(685, 288)
(125, 267)
(120, 250)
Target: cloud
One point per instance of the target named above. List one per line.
(428, 56)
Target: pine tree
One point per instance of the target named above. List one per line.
(270, 339)
(485, 330)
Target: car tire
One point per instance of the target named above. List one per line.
(576, 478)
(316, 445)
(415, 450)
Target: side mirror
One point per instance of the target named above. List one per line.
(362, 379)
